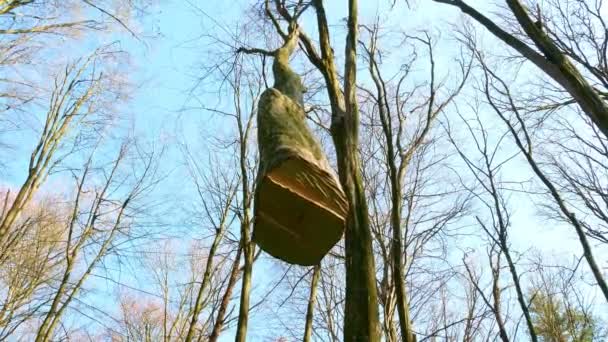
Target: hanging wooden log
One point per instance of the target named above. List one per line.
(300, 208)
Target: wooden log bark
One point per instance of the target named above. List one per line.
(300, 208)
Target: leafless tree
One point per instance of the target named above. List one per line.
(398, 116)
(486, 168)
(564, 39)
(499, 97)
(94, 233)
(31, 265)
(217, 198)
(361, 314)
(77, 98)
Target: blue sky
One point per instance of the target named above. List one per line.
(166, 67)
(169, 68)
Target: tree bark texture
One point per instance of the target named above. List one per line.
(300, 208)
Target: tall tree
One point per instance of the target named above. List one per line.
(400, 148)
(361, 308)
(311, 303)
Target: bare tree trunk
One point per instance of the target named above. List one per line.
(221, 313)
(246, 243)
(312, 300)
(504, 246)
(403, 309)
(361, 308)
(496, 296)
(241, 332)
